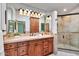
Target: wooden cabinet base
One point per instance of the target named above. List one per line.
(39, 47)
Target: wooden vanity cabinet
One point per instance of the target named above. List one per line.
(10, 45)
(37, 47)
(31, 48)
(10, 49)
(51, 45)
(22, 48)
(22, 51)
(46, 47)
(11, 52)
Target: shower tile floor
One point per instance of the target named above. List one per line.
(66, 50)
(65, 46)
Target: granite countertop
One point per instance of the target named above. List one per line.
(25, 38)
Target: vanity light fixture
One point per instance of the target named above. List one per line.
(26, 12)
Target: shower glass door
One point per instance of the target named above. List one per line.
(68, 32)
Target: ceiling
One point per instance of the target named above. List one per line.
(49, 7)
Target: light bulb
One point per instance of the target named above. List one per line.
(25, 12)
(21, 11)
(64, 9)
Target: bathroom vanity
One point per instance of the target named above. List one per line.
(29, 46)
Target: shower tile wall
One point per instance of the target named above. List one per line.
(68, 32)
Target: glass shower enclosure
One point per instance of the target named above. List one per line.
(68, 32)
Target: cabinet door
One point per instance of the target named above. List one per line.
(46, 51)
(11, 52)
(10, 45)
(46, 42)
(46, 47)
(31, 47)
(39, 48)
(51, 45)
(22, 51)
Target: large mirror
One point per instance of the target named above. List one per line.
(22, 23)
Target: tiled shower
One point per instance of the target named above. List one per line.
(68, 32)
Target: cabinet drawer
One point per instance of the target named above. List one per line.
(46, 51)
(46, 43)
(39, 42)
(11, 52)
(50, 40)
(32, 42)
(46, 47)
(22, 44)
(10, 45)
(22, 51)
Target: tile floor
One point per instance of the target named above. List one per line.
(66, 46)
(64, 53)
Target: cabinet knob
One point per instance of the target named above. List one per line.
(63, 36)
(10, 45)
(36, 44)
(15, 50)
(46, 51)
(22, 50)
